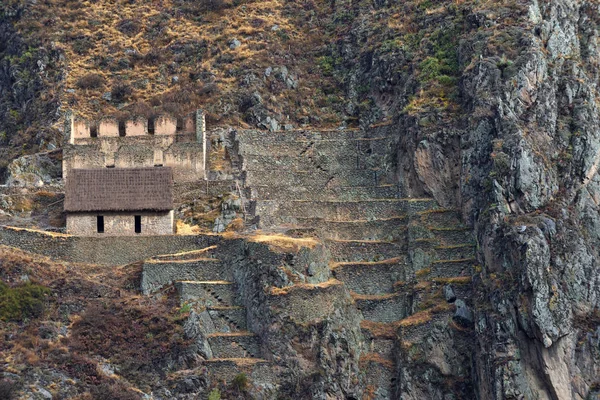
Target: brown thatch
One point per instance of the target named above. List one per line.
(119, 189)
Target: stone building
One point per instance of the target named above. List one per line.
(119, 201)
(119, 174)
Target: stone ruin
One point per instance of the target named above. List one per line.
(178, 143)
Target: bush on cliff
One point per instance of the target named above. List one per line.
(21, 302)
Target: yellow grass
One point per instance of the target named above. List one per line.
(459, 280)
(376, 358)
(282, 242)
(425, 316)
(50, 234)
(304, 286)
(381, 329)
(186, 229)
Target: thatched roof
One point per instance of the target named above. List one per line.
(119, 189)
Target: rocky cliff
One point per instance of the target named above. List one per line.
(495, 108)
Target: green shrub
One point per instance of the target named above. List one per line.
(240, 382)
(25, 301)
(214, 394)
(326, 65)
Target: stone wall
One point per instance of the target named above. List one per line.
(109, 250)
(181, 152)
(121, 224)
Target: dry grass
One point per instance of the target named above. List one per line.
(423, 273)
(305, 287)
(457, 280)
(367, 358)
(387, 296)
(380, 329)
(425, 316)
(185, 229)
(283, 243)
(50, 234)
(145, 45)
(336, 265)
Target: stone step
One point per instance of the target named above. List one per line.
(273, 212)
(380, 338)
(316, 192)
(382, 346)
(455, 252)
(452, 268)
(380, 376)
(157, 273)
(337, 134)
(371, 278)
(228, 319)
(426, 294)
(234, 345)
(452, 236)
(441, 217)
(315, 177)
(417, 326)
(364, 250)
(227, 369)
(391, 229)
(207, 294)
(306, 162)
(331, 148)
(382, 308)
(207, 252)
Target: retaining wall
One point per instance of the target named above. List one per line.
(110, 251)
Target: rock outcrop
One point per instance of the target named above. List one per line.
(517, 150)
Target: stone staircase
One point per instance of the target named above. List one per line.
(395, 255)
(206, 284)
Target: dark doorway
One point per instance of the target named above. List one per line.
(100, 223)
(151, 126)
(93, 131)
(138, 224)
(122, 128)
(179, 126)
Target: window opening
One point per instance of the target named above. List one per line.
(179, 126)
(100, 223)
(138, 224)
(93, 131)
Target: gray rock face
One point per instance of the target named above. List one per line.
(463, 314)
(34, 171)
(449, 294)
(196, 327)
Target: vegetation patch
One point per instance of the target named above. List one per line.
(21, 302)
(137, 339)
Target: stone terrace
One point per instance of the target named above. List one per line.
(206, 283)
(397, 256)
